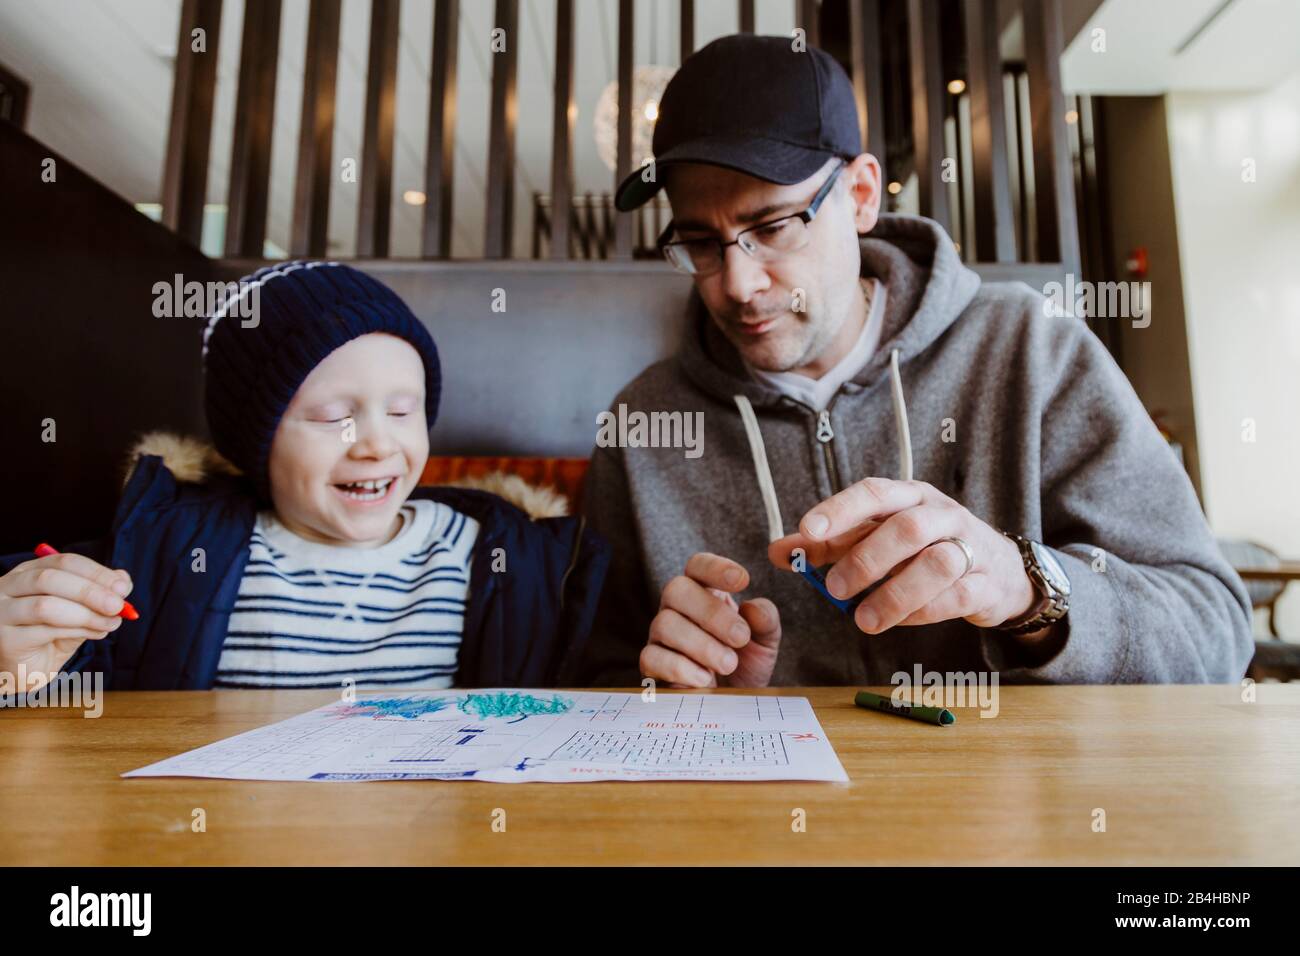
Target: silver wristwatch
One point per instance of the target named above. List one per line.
(1049, 580)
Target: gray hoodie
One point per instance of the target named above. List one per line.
(1023, 418)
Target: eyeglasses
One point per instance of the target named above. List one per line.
(765, 242)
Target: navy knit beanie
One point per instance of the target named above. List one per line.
(254, 359)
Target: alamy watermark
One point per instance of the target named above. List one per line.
(1099, 300)
(74, 908)
(947, 689)
(180, 299)
(624, 429)
(80, 691)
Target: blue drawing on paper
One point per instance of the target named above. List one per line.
(512, 705)
(502, 704)
(408, 707)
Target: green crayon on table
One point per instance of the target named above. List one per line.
(931, 715)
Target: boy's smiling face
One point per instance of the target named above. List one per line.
(371, 389)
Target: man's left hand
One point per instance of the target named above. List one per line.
(879, 527)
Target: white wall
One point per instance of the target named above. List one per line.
(1240, 252)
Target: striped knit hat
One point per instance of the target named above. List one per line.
(255, 359)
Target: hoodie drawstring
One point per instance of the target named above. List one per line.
(763, 471)
(900, 419)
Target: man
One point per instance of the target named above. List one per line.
(869, 405)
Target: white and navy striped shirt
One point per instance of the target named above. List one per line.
(314, 615)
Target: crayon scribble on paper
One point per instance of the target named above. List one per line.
(512, 705)
(408, 707)
(499, 704)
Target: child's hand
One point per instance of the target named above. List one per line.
(49, 606)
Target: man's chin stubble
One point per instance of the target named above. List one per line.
(773, 363)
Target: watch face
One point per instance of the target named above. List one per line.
(1051, 568)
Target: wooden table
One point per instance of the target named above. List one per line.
(1186, 775)
(1286, 571)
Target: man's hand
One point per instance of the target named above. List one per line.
(879, 528)
(701, 638)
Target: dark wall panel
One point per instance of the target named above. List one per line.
(79, 344)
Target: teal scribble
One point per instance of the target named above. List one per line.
(503, 704)
(408, 707)
(500, 704)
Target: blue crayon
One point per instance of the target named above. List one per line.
(815, 578)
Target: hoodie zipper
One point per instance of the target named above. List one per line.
(825, 437)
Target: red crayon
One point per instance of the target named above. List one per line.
(127, 613)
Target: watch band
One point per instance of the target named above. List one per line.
(1052, 606)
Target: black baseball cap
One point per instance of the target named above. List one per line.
(754, 104)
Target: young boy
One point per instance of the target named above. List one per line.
(301, 553)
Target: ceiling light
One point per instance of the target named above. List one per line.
(648, 84)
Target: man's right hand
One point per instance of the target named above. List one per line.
(701, 638)
(49, 606)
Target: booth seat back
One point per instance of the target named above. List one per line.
(532, 352)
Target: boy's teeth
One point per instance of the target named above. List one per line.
(364, 490)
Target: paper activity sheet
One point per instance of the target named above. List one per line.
(517, 736)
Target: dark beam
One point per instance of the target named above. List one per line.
(562, 131)
(688, 30)
(1092, 131)
(1019, 87)
(928, 92)
(14, 94)
(746, 16)
(995, 239)
(1058, 230)
(375, 204)
(440, 154)
(501, 136)
(250, 152)
(189, 134)
(623, 166)
(311, 195)
(540, 222)
(868, 74)
(588, 231)
(807, 14)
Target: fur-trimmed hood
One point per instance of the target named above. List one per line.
(194, 461)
